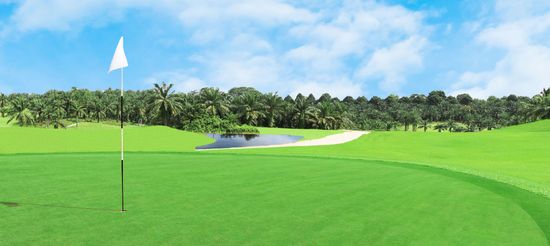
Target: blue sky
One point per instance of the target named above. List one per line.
(342, 47)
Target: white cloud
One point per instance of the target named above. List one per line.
(319, 59)
(182, 80)
(519, 31)
(358, 31)
(258, 71)
(393, 64)
(522, 71)
(191, 84)
(273, 44)
(58, 15)
(515, 34)
(267, 12)
(66, 16)
(513, 9)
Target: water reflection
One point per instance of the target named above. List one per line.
(247, 140)
(245, 136)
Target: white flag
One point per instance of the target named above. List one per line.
(119, 59)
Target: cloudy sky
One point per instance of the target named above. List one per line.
(311, 46)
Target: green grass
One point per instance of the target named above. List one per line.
(101, 137)
(98, 138)
(382, 189)
(206, 198)
(519, 155)
(308, 134)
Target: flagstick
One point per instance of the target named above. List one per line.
(122, 135)
(119, 62)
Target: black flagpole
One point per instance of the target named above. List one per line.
(122, 136)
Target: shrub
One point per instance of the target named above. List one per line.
(373, 124)
(214, 124)
(242, 129)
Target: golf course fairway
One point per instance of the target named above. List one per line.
(214, 199)
(519, 155)
(386, 188)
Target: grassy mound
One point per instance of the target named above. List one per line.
(519, 155)
(91, 137)
(100, 137)
(537, 126)
(214, 199)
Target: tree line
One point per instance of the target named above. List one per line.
(241, 109)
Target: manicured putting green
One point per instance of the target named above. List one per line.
(207, 198)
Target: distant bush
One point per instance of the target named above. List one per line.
(373, 124)
(215, 124)
(242, 129)
(460, 129)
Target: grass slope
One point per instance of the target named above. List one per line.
(308, 134)
(101, 137)
(212, 199)
(518, 155)
(98, 138)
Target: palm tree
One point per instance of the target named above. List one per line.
(440, 127)
(98, 107)
(545, 92)
(79, 112)
(425, 124)
(540, 108)
(273, 105)
(164, 102)
(321, 116)
(19, 111)
(191, 109)
(69, 101)
(301, 107)
(415, 120)
(451, 125)
(248, 107)
(38, 107)
(409, 117)
(342, 116)
(112, 109)
(2, 103)
(287, 114)
(138, 111)
(55, 115)
(214, 101)
(55, 112)
(24, 118)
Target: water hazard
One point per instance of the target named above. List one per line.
(247, 140)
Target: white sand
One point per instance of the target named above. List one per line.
(339, 138)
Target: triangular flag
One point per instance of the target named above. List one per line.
(119, 59)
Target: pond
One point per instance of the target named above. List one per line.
(247, 140)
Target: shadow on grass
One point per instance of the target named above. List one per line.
(18, 204)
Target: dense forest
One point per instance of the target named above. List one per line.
(242, 108)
